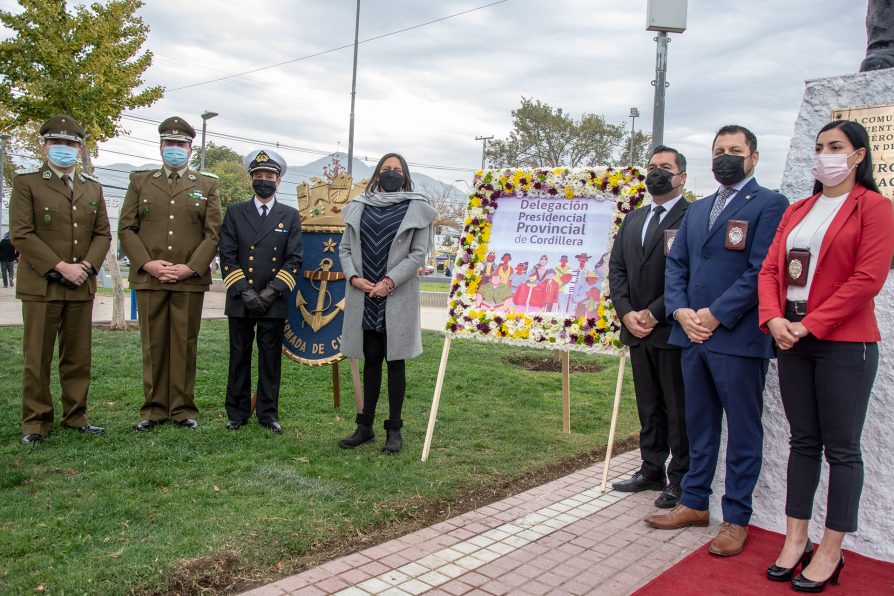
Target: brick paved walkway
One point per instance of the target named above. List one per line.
(564, 537)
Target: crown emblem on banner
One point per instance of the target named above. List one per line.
(320, 202)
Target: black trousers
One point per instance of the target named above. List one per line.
(825, 388)
(658, 382)
(374, 350)
(242, 335)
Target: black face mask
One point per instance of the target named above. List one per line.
(391, 181)
(660, 182)
(264, 188)
(728, 169)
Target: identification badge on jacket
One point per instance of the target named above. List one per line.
(669, 237)
(797, 266)
(736, 234)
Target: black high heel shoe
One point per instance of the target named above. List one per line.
(802, 584)
(783, 574)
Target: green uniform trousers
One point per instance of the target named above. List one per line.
(72, 322)
(169, 328)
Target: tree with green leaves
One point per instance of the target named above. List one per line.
(226, 164)
(545, 136)
(86, 62)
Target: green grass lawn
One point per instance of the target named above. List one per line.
(428, 286)
(131, 512)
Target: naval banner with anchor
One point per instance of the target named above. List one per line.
(313, 328)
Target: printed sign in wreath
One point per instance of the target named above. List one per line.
(532, 266)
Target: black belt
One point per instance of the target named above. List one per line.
(798, 307)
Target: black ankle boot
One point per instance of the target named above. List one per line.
(363, 434)
(394, 442)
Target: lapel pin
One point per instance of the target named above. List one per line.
(192, 177)
(280, 225)
(156, 175)
(47, 175)
(747, 197)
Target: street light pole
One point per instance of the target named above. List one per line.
(634, 114)
(205, 118)
(3, 138)
(663, 16)
(353, 92)
(484, 141)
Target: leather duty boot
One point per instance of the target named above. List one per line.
(363, 434)
(394, 442)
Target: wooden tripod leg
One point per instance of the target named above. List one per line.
(614, 423)
(566, 392)
(336, 387)
(436, 400)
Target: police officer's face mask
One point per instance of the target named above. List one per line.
(391, 181)
(62, 156)
(175, 156)
(264, 188)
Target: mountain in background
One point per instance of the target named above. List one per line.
(115, 178)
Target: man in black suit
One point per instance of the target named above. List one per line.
(260, 256)
(636, 282)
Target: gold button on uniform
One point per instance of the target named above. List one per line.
(251, 258)
(252, 247)
(172, 217)
(170, 248)
(251, 281)
(274, 259)
(75, 225)
(251, 269)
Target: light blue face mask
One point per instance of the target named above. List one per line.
(175, 156)
(63, 156)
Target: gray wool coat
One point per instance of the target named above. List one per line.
(403, 324)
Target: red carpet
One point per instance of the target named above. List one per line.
(703, 573)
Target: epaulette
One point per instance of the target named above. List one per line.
(27, 171)
(138, 170)
(210, 175)
(90, 177)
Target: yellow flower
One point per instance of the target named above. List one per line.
(600, 324)
(569, 192)
(474, 202)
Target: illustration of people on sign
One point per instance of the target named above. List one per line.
(563, 272)
(519, 277)
(493, 294)
(529, 297)
(550, 288)
(504, 269)
(540, 268)
(490, 267)
(570, 291)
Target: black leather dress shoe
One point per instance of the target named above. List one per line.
(31, 439)
(145, 425)
(234, 425)
(91, 430)
(669, 497)
(274, 426)
(637, 483)
(188, 423)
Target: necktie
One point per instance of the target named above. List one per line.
(719, 203)
(173, 178)
(263, 212)
(652, 228)
(66, 180)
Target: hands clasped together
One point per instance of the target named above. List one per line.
(74, 273)
(639, 322)
(699, 325)
(378, 290)
(167, 273)
(786, 333)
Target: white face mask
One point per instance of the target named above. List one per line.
(831, 169)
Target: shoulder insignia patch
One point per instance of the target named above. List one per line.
(141, 170)
(192, 177)
(89, 177)
(156, 175)
(210, 175)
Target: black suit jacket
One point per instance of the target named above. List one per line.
(254, 254)
(636, 273)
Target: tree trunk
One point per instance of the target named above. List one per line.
(118, 322)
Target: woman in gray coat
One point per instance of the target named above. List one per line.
(388, 233)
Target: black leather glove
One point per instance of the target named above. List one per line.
(57, 278)
(252, 301)
(268, 295)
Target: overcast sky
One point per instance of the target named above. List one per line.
(428, 92)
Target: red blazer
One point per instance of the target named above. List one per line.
(851, 269)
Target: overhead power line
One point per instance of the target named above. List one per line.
(349, 45)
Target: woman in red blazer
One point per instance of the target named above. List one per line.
(829, 259)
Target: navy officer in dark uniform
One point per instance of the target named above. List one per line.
(260, 256)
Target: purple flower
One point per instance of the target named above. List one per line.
(588, 339)
(573, 338)
(454, 328)
(483, 328)
(567, 323)
(552, 191)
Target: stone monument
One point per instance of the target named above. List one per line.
(868, 98)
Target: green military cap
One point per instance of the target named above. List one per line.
(176, 128)
(62, 127)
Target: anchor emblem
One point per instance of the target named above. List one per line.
(318, 318)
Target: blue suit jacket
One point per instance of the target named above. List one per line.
(701, 272)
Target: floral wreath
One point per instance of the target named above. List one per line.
(600, 334)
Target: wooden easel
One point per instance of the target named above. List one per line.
(566, 404)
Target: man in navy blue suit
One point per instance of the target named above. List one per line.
(711, 295)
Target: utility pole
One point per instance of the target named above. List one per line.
(353, 93)
(484, 141)
(3, 138)
(634, 114)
